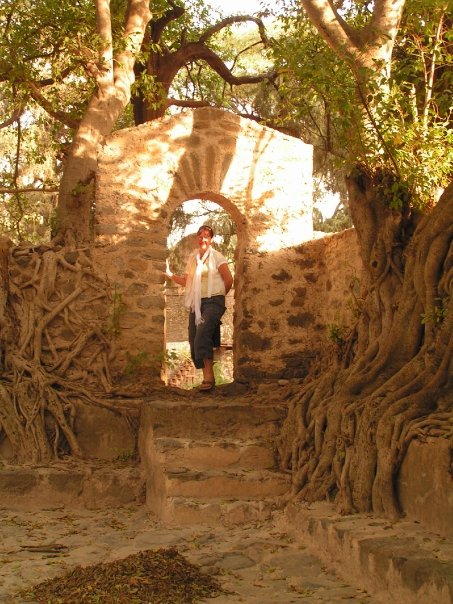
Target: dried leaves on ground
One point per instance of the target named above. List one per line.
(152, 577)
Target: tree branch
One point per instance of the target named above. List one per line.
(171, 102)
(104, 29)
(61, 116)
(429, 84)
(158, 26)
(137, 19)
(199, 51)
(337, 34)
(383, 25)
(235, 19)
(364, 47)
(14, 117)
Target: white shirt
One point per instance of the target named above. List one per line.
(218, 286)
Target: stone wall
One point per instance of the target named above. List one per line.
(425, 484)
(294, 295)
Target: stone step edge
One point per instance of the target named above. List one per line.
(70, 486)
(198, 455)
(189, 474)
(215, 441)
(212, 484)
(225, 511)
(86, 466)
(275, 501)
(373, 560)
(200, 402)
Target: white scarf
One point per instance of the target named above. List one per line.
(193, 288)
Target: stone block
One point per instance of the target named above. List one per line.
(216, 453)
(225, 484)
(392, 560)
(192, 511)
(148, 302)
(425, 485)
(198, 421)
(102, 434)
(17, 483)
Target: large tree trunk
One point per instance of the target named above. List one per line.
(348, 431)
(76, 196)
(115, 75)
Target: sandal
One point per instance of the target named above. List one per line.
(205, 386)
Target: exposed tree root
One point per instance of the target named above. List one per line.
(347, 432)
(55, 311)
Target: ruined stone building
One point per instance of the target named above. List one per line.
(288, 286)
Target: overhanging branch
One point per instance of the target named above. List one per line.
(192, 103)
(198, 51)
(61, 116)
(14, 117)
(235, 19)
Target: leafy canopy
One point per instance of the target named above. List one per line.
(397, 129)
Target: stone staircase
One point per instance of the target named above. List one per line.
(210, 460)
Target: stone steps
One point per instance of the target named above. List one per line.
(69, 483)
(199, 419)
(394, 560)
(226, 484)
(187, 511)
(216, 453)
(210, 461)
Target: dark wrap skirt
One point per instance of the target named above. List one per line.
(202, 337)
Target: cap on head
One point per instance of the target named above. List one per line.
(205, 227)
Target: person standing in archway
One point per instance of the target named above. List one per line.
(207, 280)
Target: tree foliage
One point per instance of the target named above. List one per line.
(66, 59)
(389, 121)
(339, 221)
(190, 56)
(55, 62)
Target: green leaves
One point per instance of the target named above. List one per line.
(401, 125)
(437, 314)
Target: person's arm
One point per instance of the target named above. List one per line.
(179, 279)
(226, 275)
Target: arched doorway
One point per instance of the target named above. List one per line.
(187, 218)
(261, 177)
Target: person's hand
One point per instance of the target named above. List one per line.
(168, 272)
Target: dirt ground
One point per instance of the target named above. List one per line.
(256, 563)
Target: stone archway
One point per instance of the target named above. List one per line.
(261, 177)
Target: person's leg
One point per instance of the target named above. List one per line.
(208, 371)
(212, 311)
(192, 334)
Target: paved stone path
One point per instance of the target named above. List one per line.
(257, 563)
